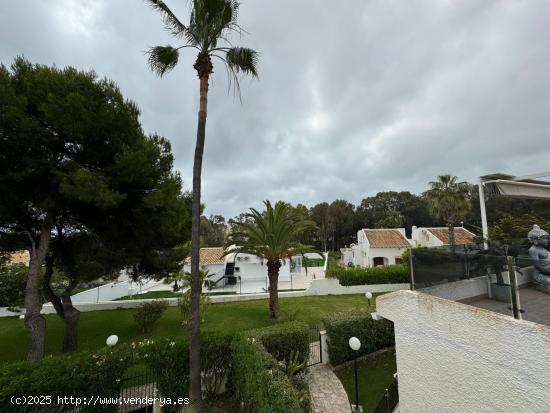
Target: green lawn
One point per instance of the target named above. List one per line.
(375, 374)
(96, 326)
(149, 295)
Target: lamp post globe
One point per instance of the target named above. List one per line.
(368, 296)
(112, 340)
(354, 343)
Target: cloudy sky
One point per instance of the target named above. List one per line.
(354, 97)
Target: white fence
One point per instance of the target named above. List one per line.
(112, 291)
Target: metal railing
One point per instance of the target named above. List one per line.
(390, 399)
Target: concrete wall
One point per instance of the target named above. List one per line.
(452, 357)
(474, 287)
(113, 291)
(331, 286)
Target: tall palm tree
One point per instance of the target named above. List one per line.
(210, 26)
(272, 236)
(449, 201)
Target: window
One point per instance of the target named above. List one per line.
(378, 261)
(398, 260)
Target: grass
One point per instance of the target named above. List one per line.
(375, 374)
(95, 327)
(149, 295)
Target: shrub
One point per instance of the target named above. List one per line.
(184, 304)
(388, 274)
(169, 360)
(260, 383)
(282, 339)
(260, 362)
(374, 335)
(147, 314)
(84, 374)
(13, 279)
(314, 262)
(81, 374)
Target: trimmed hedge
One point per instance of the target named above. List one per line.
(374, 335)
(388, 274)
(281, 339)
(261, 384)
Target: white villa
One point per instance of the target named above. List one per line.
(247, 272)
(438, 237)
(376, 247)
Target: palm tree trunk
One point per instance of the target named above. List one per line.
(273, 275)
(195, 319)
(35, 323)
(451, 237)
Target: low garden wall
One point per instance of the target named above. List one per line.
(474, 287)
(331, 286)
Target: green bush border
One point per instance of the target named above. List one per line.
(373, 334)
(388, 274)
(259, 361)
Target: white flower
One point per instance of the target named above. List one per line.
(172, 344)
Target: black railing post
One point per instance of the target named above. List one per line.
(356, 382)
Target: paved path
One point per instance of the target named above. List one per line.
(327, 393)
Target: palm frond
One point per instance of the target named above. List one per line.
(171, 22)
(162, 59)
(243, 60)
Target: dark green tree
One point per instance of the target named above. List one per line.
(213, 231)
(75, 163)
(211, 24)
(393, 210)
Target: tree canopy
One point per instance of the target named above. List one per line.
(79, 175)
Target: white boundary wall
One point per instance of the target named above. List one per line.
(474, 287)
(452, 357)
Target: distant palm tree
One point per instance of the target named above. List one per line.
(272, 236)
(211, 22)
(449, 201)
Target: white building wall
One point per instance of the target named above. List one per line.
(421, 237)
(390, 254)
(452, 357)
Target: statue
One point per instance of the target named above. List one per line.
(540, 258)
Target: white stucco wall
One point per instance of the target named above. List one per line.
(474, 287)
(390, 254)
(331, 286)
(424, 238)
(452, 357)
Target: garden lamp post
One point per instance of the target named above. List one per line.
(355, 345)
(368, 295)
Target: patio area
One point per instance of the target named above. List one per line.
(535, 304)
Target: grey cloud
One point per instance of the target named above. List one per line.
(353, 98)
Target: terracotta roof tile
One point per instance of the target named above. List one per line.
(462, 235)
(386, 238)
(211, 256)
